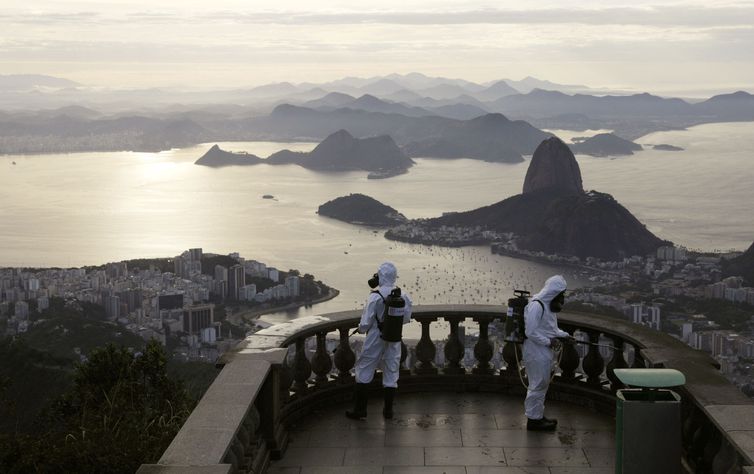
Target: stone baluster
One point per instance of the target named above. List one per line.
(321, 362)
(302, 369)
(617, 362)
(512, 355)
(404, 355)
(344, 357)
(711, 448)
(286, 380)
(426, 350)
(726, 460)
(483, 348)
(593, 364)
(454, 349)
(639, 362)
(569, 362)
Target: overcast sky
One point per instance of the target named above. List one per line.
(658, 46)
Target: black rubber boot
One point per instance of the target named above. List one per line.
(387, 411)
(542, 424)
(359, 402)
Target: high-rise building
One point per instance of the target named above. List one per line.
(195, 254)
(236, 279)
(273, 274)
(294, 285)
(221, 281)
(198, 317)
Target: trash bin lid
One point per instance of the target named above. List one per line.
(650, 378)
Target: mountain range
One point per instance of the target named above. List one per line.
(413, 108)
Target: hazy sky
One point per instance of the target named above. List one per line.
(643, 45)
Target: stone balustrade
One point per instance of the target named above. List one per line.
(286, 371)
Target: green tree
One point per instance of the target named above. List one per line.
(122, 410)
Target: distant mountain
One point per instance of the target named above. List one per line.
(371, 103)
(381, 87)
(529, 83)
(215, 157)
(495, 91)
(361, 209)
(545, 103)
(557, 218)
(75, 111)
(20, 82)
(273, 90)
(443, 91)
(458, 111)
(333, 100)
(491, 137)
(605, 144)
(403, 95)
(743, 266)
(736, 106)
(338, 152)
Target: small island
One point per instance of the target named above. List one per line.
(605, 144)
(268, 196)
(665, 147)
(362, 210)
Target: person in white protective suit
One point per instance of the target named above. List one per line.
(378, 352)
(542, 333)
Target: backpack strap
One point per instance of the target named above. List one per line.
(384, 302)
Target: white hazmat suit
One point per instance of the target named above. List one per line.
(541, 327)
(375, 349)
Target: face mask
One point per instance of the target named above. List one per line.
(374, 282)
(556, 305)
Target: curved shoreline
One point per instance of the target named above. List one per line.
(252, 314)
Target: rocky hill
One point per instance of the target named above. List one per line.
(555, 215)
(361, 209)
(553, 166)
(606, 144)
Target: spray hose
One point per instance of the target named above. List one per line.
(559, 350)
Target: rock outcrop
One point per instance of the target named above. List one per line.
(553, 166)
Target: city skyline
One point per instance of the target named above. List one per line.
(659, 46)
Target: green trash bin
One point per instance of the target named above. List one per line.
(648, 422)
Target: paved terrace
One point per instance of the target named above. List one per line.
(277, 406)
(446, 433)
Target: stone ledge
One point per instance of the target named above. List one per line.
(176, 469)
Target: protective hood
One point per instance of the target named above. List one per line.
(553, 286)
(387, 273)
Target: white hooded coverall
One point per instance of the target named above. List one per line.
(541, 327)
(375, 349)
